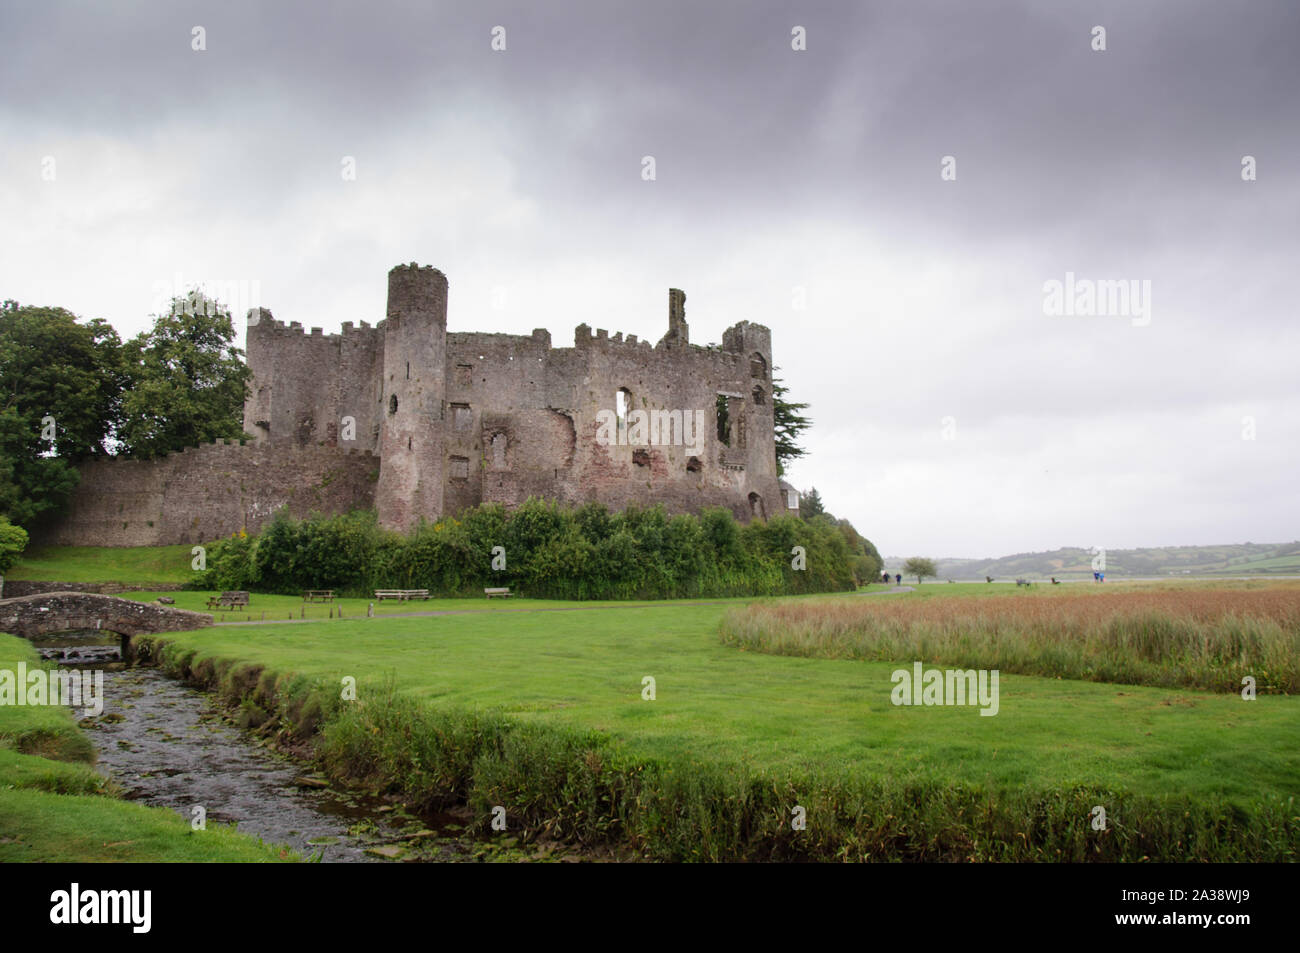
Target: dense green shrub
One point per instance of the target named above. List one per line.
(550, 551)
(231, 564)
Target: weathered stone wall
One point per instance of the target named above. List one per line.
(33, 616)
(529, 419)
(665, 378)
(453, 420)
(304, 385)
(208, 492)
(13, 588)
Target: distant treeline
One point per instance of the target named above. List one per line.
(546, 551)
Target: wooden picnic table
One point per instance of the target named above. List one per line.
(231, 599)
(402, 595)
(318, 595)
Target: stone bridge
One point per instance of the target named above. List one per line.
(51, 612)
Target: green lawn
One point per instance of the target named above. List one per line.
(140, 564)
(584, 669)
(54, 807)
(40, 827)
(580, 666)
(279, 608)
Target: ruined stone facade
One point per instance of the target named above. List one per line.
(418, 422)
(460, 418)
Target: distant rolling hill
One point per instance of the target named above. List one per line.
(1233, 559)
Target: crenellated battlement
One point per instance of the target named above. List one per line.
(266, 325)
(228, 446)
(585, 337)
(414, 421)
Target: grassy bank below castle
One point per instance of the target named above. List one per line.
(55, 808)
(139, 565)
(543, 713)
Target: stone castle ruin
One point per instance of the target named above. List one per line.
(417, 422)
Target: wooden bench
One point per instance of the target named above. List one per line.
(318, 595)
(401, 595)
(493, 593)
(235, 599)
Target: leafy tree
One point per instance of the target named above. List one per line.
(230, 564)
(787, 424)
(13, 540)
(60, 390)
(810, 504)
(275, 557)
(920, 567)
(863, 557)
(867, 564)
(187, 382)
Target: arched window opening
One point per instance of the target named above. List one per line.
(724, 420)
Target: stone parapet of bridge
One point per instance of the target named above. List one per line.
(51, 612)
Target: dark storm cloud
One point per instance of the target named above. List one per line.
(1047, 134)
(775, 169)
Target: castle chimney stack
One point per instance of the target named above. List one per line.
(678, 333)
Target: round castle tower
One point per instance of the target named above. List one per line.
(414, 388)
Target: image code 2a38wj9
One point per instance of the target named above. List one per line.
(807, 437)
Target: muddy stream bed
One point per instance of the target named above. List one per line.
(168, 745)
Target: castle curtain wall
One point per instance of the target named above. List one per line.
(209, 492)
(417, 422)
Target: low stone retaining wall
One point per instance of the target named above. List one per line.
(14, 588)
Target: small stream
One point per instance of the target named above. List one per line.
(168, 745)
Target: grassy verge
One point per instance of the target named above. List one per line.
(542, 713)
(1197, 638)
(138, 564)
(54, 807)
(42, 827)
(271, 608)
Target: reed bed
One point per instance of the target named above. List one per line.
(1177, 637)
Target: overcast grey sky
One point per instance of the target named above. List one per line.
(953, 415)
